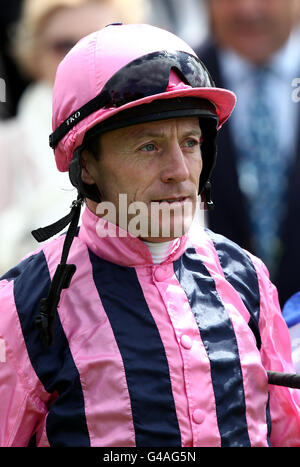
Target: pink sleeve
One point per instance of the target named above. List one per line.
(21, 409)
(276, 355)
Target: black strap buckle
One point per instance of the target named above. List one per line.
(46, 318)
(207, 196)
(63, 274)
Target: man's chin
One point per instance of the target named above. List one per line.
(163, 221)
(165, 232)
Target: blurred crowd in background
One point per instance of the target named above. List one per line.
(250, 46)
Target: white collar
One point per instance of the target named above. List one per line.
(159, 251)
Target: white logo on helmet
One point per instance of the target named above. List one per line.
(72, 118)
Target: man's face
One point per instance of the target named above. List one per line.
(157, 165)
(253, 28)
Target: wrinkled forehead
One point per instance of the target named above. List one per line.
(157, 129)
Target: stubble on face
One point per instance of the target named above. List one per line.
(157, 164)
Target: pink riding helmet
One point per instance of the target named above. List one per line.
(87, 69)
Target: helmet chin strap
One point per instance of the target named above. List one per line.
(75, 167)
(63, 274)
(206, 194)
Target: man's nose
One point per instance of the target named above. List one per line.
(174, 165)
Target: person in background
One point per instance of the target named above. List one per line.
(31, 189)
(14, 79)
(189, 23)
(254, 50)
(3, 91)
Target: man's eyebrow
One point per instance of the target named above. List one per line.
(192, 132)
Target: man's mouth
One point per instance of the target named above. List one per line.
(181, 199)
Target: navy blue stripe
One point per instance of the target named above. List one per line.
(269, 421)
(55, 367)
(240, 272)
(220, 343)
(146, 367)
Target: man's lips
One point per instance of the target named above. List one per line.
(177, 199)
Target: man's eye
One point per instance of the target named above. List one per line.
(191, 143)
(148, 147)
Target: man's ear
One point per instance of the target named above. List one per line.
(86, 167)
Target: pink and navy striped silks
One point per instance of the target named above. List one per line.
(146, 355)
